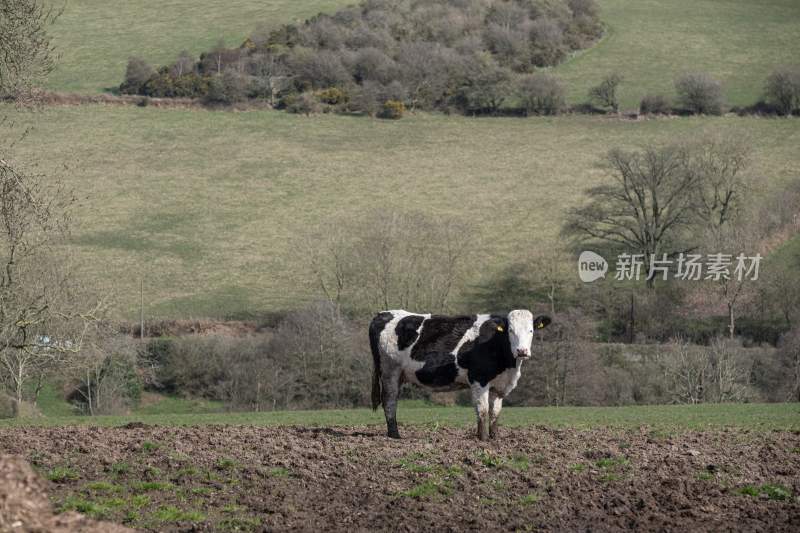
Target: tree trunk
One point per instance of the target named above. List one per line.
(731, 324)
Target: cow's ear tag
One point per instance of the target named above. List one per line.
(500, 328)
(541, 325)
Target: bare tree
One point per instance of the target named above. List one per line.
(43, 319)
(719, 162)
(552, 273)
(650, 199)
(105, 370)
(390, 260)
(735, 244)
(26, 53)
(605, 93)
(728, 376)
(686, 369)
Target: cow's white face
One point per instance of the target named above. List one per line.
(520, 332)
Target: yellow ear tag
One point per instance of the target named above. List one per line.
(541, 325)
(499, 328)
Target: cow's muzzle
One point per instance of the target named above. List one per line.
(522, 354)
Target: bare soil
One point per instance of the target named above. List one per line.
(356, 479)
(24, 506)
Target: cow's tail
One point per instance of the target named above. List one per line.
(374, 337)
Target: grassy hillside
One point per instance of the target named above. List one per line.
(210, 207)
(649, 41)
(671, 418)
(96, 37)
(652, 41)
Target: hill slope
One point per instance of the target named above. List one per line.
(210, 207)
(649, 41)
(652, 41)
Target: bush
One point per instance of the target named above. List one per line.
(228, 88)
(464, 54)
(605, 94)
(137, 72)
(541, 94)
(655, 104)
(699, 93)
(305, 104)
(392, 109)
(782, 89)
(332, 96)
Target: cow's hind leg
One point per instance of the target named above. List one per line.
(495, 405)
(390, 391)
(480, 399)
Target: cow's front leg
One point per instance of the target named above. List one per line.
(495, 404)
(390, 391)
(480, 399)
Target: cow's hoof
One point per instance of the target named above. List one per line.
(394, 435)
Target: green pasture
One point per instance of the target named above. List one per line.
(669, 418)
(648, 41)
(212, 209)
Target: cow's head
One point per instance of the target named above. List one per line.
(521, 326)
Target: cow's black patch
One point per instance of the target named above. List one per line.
(489, 355)
(406, 330)
(440, 370)
(440, 335)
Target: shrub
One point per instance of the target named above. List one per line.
(228, 88)
(541, 94)
(547, 42)
(431, 55)
(699, 93)
(305, 104)
(605, 94)
(392, 109)
(782, 89)
(332, 96)
(655, 104)
(137, 72)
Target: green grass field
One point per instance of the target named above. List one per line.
(649, 41)
(96, 38)
(210, 207)
(672, 418)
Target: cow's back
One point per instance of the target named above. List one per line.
(441, 334)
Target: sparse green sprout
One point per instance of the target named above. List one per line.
(518, 462)
(226, 463)
(140, 500)
(427, 489)
(87, 507)
(530, 499)
(577, 467)
(150, 447)
(61, 474)
(771, 491)
(279, 471)
(120, 468)
(102, 486)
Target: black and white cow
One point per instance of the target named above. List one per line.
(481, 352)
